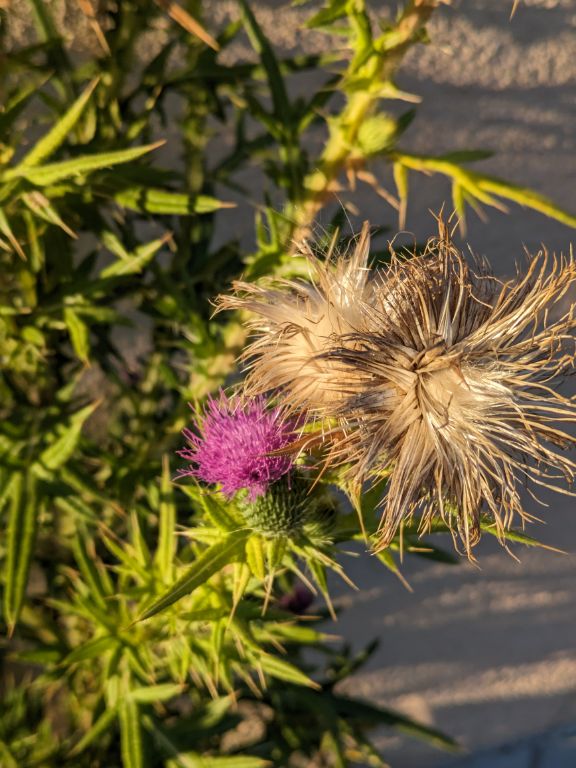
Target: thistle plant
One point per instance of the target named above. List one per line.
(148, 598)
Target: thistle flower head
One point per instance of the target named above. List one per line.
(233, 447)
(435, 372)
(295, 322)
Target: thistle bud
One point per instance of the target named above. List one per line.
(289, 508)
(281, 511)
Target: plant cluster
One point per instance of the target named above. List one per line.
(148, 622)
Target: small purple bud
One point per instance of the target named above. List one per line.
(296, 601)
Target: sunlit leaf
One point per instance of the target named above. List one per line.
(164, 202)
(79, 335)
(487, 525)
(256, 556)
(56, 136)
(222, 516)
(43, 209)
(334, 10)
(284, 670)
(45, 175)
(166, 549)
(235, 761)
(210, 562)
(152, 693)
(93, 649)
(401, 181)
(136, 261)
(102, 724)
(130, 734)
(387, 558)
(20, 538)
(66, 439)
(487, 189)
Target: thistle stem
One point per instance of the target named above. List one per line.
(378, 69)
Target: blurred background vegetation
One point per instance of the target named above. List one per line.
(112, 245)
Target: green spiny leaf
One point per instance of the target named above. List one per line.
(240, 578)
(235, 761)
(92, 569)
(92, 649)
(256, 556)
(401, 181)
(35, 242)
(489, 526)
(46, 175)
(166, 550)
(8, 759)
(283, 670)
(334, 10)
(43, 209)
(135, 262)
(210, 562)
(102, 724)
(166, 203)
(222, 516)
(59, 451)
(526, 197)
(49, 143)
(275, 550)
(8, 487)
(130, 734)
(484, 187)
(387, 558)
(79, 335)
(21, 535)
(263, 48)
(150, 694)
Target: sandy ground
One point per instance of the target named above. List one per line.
(487, 654)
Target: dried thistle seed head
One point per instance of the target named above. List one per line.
(294, 323)
(452, 385)
(435, 372)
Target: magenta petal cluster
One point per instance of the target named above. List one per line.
(236, 436)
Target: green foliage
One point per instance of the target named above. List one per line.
(143, 619)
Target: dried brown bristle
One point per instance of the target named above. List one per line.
(431, 366)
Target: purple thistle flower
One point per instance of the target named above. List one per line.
(235, 437)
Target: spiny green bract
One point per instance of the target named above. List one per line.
(289, 508)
